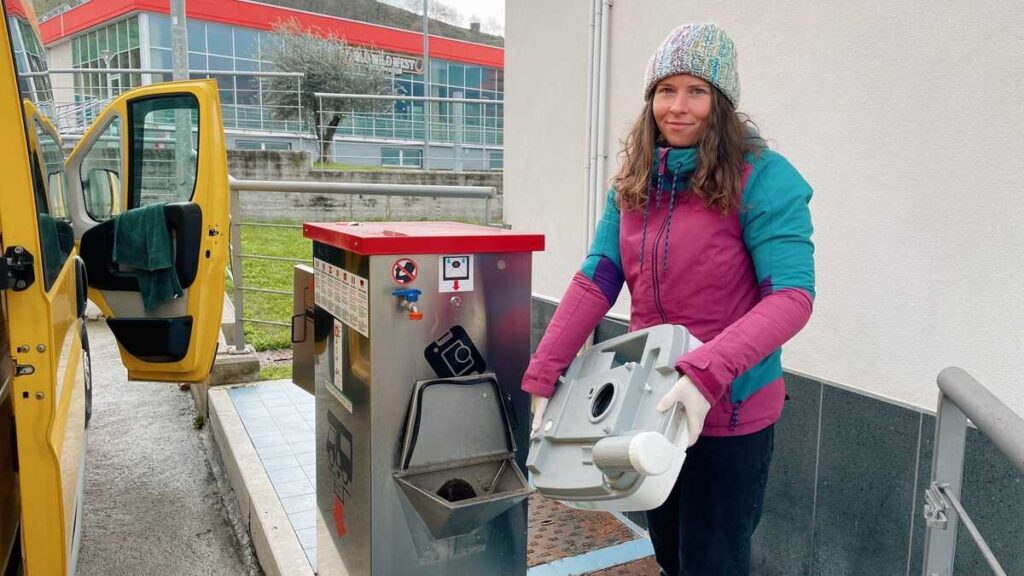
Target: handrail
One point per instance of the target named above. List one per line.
(962, 397)
(485, 193)
(425, 190)
(993, 418)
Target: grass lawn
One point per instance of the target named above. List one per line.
(271, 275)
(350, 167)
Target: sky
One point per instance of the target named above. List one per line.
(485, 9)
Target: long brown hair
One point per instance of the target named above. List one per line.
(728, 136)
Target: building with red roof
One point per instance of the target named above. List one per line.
(226, 40)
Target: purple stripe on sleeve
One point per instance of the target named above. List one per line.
(766, 286)
(608, 277)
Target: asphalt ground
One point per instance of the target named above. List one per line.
(156, 497)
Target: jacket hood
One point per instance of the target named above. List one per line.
(671, 170)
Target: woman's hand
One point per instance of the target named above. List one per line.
(695, 406)
(538, 404)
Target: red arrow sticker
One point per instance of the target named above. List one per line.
(339, 517)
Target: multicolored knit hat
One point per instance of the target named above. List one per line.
(702, 50)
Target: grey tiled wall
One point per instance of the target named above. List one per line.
(845, 494)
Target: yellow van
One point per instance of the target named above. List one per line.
(154, 159)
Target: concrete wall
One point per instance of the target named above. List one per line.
(440, 156)
(904, 117)
(59, 56)
(271, 205)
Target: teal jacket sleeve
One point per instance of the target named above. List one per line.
(603, 265)
(777, 228)
(590, 295)
(777, 231)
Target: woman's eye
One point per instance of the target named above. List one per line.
(697, 91)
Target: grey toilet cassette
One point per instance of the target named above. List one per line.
(603, 444)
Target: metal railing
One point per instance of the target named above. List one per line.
(962, 398)
(423, 121)
(247, 107)
(485, 193)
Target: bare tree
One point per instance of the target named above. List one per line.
(436, 10)
(445, 13)
(493, 26)
(329, 64)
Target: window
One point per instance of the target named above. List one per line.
(56, 238)
(160, 59)
(472, 78)
(163, 149)
(114, 46)
(260, 145)
(159, 30)
(196, 36)
(246, 43)
(496, 159)
(100, 174)
(456, 75)
(220, 39)
(401, 157)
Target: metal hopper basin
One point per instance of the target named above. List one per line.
(457, 465)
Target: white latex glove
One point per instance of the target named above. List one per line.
(695, 406)
(538, 404)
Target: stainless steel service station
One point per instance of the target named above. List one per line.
(420, 337)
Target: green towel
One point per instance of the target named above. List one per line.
(141, 240)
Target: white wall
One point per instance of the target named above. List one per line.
(59, 56)
(908, 120)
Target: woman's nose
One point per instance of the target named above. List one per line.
(678, 105)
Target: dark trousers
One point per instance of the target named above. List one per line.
(705, 526)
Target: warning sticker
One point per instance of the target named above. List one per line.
(404, 271)
(342, 294)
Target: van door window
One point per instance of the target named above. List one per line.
(101, 174)
(56, 237)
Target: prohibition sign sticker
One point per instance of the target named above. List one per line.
(404, 271)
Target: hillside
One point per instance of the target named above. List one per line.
(363, 10)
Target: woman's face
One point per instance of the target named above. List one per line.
(681, 105)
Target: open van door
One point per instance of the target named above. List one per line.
(149, 189)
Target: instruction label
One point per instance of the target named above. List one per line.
(456, 273)
(343, 295)
(336, 384)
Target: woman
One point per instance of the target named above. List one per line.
(711, 231)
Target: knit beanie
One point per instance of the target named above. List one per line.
(702, 50)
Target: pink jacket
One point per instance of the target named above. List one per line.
(742, 283)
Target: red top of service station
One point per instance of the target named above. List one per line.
(375, 238)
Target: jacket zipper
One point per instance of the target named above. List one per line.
(654, 271)
(734, 418)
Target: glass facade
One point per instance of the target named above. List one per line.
(30, 58)
(482, 123)
(115, 45)
(226, 53)
(214, 48)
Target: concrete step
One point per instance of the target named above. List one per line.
(274, 535)
(231, 366)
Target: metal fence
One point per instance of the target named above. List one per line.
(413, 132)
(962, 398)
(434, 125)
(247, 104)
(485, 193)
